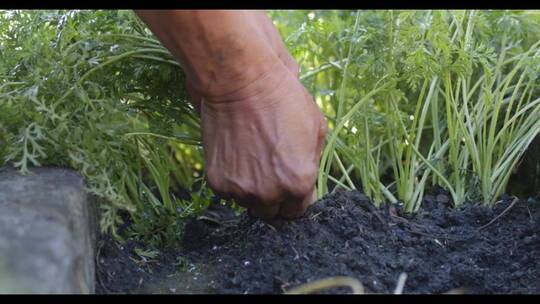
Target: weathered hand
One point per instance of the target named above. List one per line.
(262, 144)
(262, 131)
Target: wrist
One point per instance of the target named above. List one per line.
(239, 79)
(264, 92)
(221, 51)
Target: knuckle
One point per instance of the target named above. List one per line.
(271, 198)
(243, 191)
(324, 126)
(323, 131)
(301, 183)
(267, 194)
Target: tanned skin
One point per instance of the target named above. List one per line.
(262, 132)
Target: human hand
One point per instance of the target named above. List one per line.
(262, 144)
(262, 132)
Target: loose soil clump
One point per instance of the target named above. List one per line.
(440, 248)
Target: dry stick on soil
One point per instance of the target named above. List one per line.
(400, 283)
(458, 291)
(501, 214)
(224, 223)
(332, 282)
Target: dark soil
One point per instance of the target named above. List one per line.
(439, 248)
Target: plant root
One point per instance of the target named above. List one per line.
(501, 214)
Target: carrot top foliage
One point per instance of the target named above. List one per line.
(421, 98)
(94, 91)
(413, 99)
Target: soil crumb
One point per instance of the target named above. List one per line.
(439, 248)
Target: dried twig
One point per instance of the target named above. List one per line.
(223, 223)
(458, 291)
(332, 282)
(501, 214)
(400, 283)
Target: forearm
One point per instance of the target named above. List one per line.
(221, 51)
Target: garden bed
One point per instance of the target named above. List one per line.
(473, 248)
